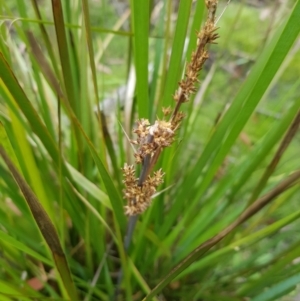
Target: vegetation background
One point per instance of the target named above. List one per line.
(234, 164)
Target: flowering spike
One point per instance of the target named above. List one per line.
(152, 139)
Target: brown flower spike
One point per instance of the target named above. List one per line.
(153, 138)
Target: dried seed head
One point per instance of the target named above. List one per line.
(167, 111)
(206, 36)
(142, 130)
(153, 138)
(139, 197)
(177, 120)
(150, 138)
(162, 133)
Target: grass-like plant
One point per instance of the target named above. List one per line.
(222, 176)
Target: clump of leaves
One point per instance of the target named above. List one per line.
(224, 223)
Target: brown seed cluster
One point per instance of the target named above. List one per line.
(151, 139)
(139, 196)
(206, 36)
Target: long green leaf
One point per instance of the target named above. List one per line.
(46, 227)
(140, 15)
(279, 289)
(64, 52)
(175, 65)
(204, 247)
(28, 110)
(238, 114)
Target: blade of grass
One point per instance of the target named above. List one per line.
(64, 53)
(28, 110)
(94, 211)
(88, 33)
(140, 24)
(271, 167)
(89, 187)
(238, 244)
(69, 64)
(44, 66)
(236, 116)
(115, 198)
(204, 247)
(39, 128)
(165, 59)
(279, 289)
(197, 20)
(7, 145)
(266, 69)
(6, 239)
(47, 41)
(70, 25)
(175, 66)
(240, 173)
(159, 43)
(10, 293)
(275, 267)
(28, 160)
(270, 140)
(46, 227)
(143, 284)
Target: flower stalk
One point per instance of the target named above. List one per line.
(152, 139)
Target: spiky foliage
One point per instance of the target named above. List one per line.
(222, 174)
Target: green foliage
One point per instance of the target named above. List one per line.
(225, 223)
